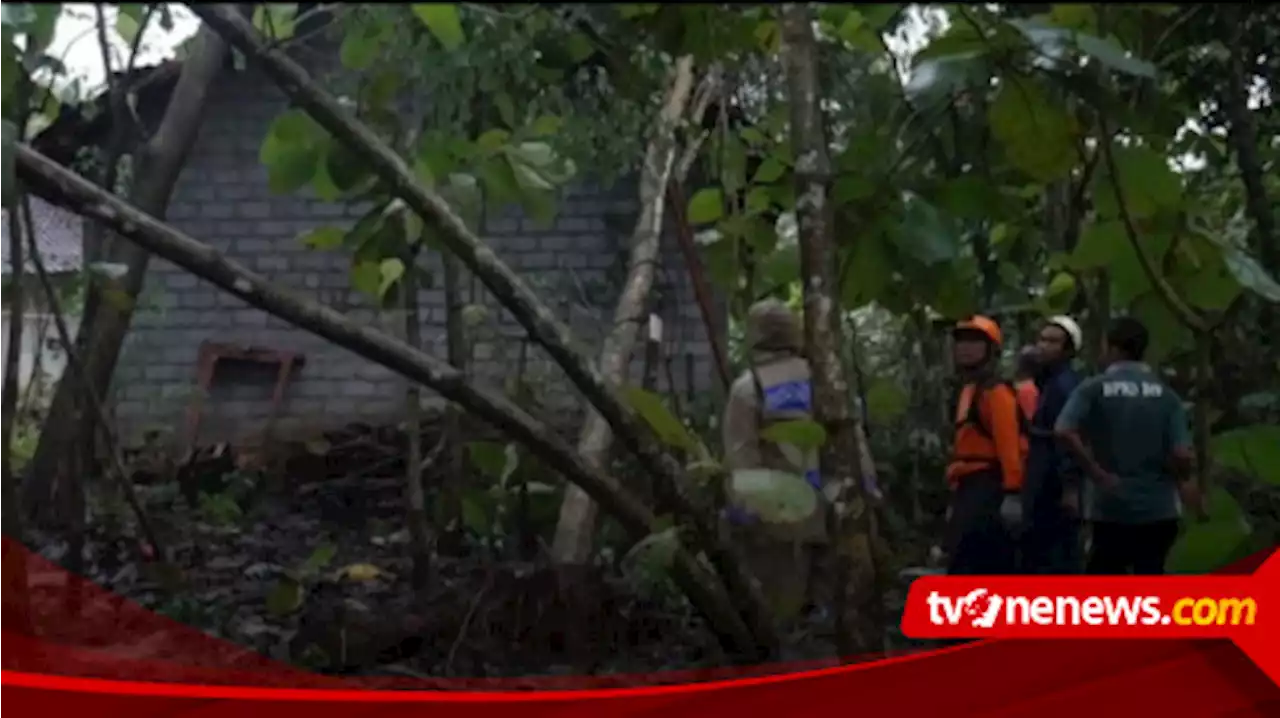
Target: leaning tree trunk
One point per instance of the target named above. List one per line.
(110, 302)
(63, 187)
(14, 597)
(576, 528)
(517, 297)
(858, 605)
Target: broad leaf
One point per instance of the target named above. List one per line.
(391, 270)
(443, 22)
(318, 561)
(366, 277)
(706, 205)
(324, 238)
(886, 401)
(804, 434)
(1148, 183)
(1037, 132)
(1254, 450)
(654, 411)
(285, 597)
(1206, 547)
(776, 497)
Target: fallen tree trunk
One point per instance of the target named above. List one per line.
(575, 529)
(67, 189)
(853, 529)
(514, 295)
(66, 440)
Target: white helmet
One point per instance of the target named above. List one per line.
(1068, 325)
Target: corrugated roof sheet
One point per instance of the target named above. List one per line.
(59, 234)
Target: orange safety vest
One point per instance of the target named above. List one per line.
(980, 446)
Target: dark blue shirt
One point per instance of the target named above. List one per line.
(1049, 464)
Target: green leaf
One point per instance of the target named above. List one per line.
(886, 401)
(285, 597)
(1253, 450)
(1250, 274)
(654, 411)
(706, 205)
(1063, 285)
(1038, 134)
(580, 47)
(8, 163)
(804, 434)
(1098, 244)
(443, 22)
(490, 458)
(1148, 183)
(776, 497)
(855, 31)
(41, 30)
(870, 272)
(129, 22)
(391, 270)
(654, 554)
(361, 46)
(1166, 333)
(926, 234)
(1074, 16)
(1206, 547)
(770, 171)
(366, 276)
(318, 561)
(475, 513)
(506, 108)
(935, 80)
(492, 140)
(291, 151)
(546, 125)
(275, 20)
(324, 238)
(1113, 56)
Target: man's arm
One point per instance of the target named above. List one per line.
(1064, 460)
(1002, 411)
(1067, 430)
(741, 431)
(1182, 455)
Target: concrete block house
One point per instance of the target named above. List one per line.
(222, 198)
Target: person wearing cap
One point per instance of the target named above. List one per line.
(1051, 541)
(1128, 429)
(985, 471)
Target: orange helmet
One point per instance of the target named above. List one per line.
(986, 325)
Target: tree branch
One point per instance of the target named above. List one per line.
(67, 189)
(509, 289)
(1181, 309)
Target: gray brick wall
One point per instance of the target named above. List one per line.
(222, 198)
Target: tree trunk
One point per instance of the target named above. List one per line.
(576, 527)
(14, 606)
(420, 532)
(517, 297)
(67, 189)
(858, 609)
(109, 303)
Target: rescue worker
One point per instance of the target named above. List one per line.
(776, 388)
(1128, 430)
(1051, 542)
(985, 472)
(1025, 380)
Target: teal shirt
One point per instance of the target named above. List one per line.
(1132, 422)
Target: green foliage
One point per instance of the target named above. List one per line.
(1254, 450)
(669, 429)
(776, 497)
(803, 434)
(1206, 547)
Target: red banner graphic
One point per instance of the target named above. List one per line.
(117, 658)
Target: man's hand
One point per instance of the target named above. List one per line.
(1011, 511)
(1071, 502)
(1193, 499)
(1105, 480)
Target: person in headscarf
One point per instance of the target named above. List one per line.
(777, 387)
